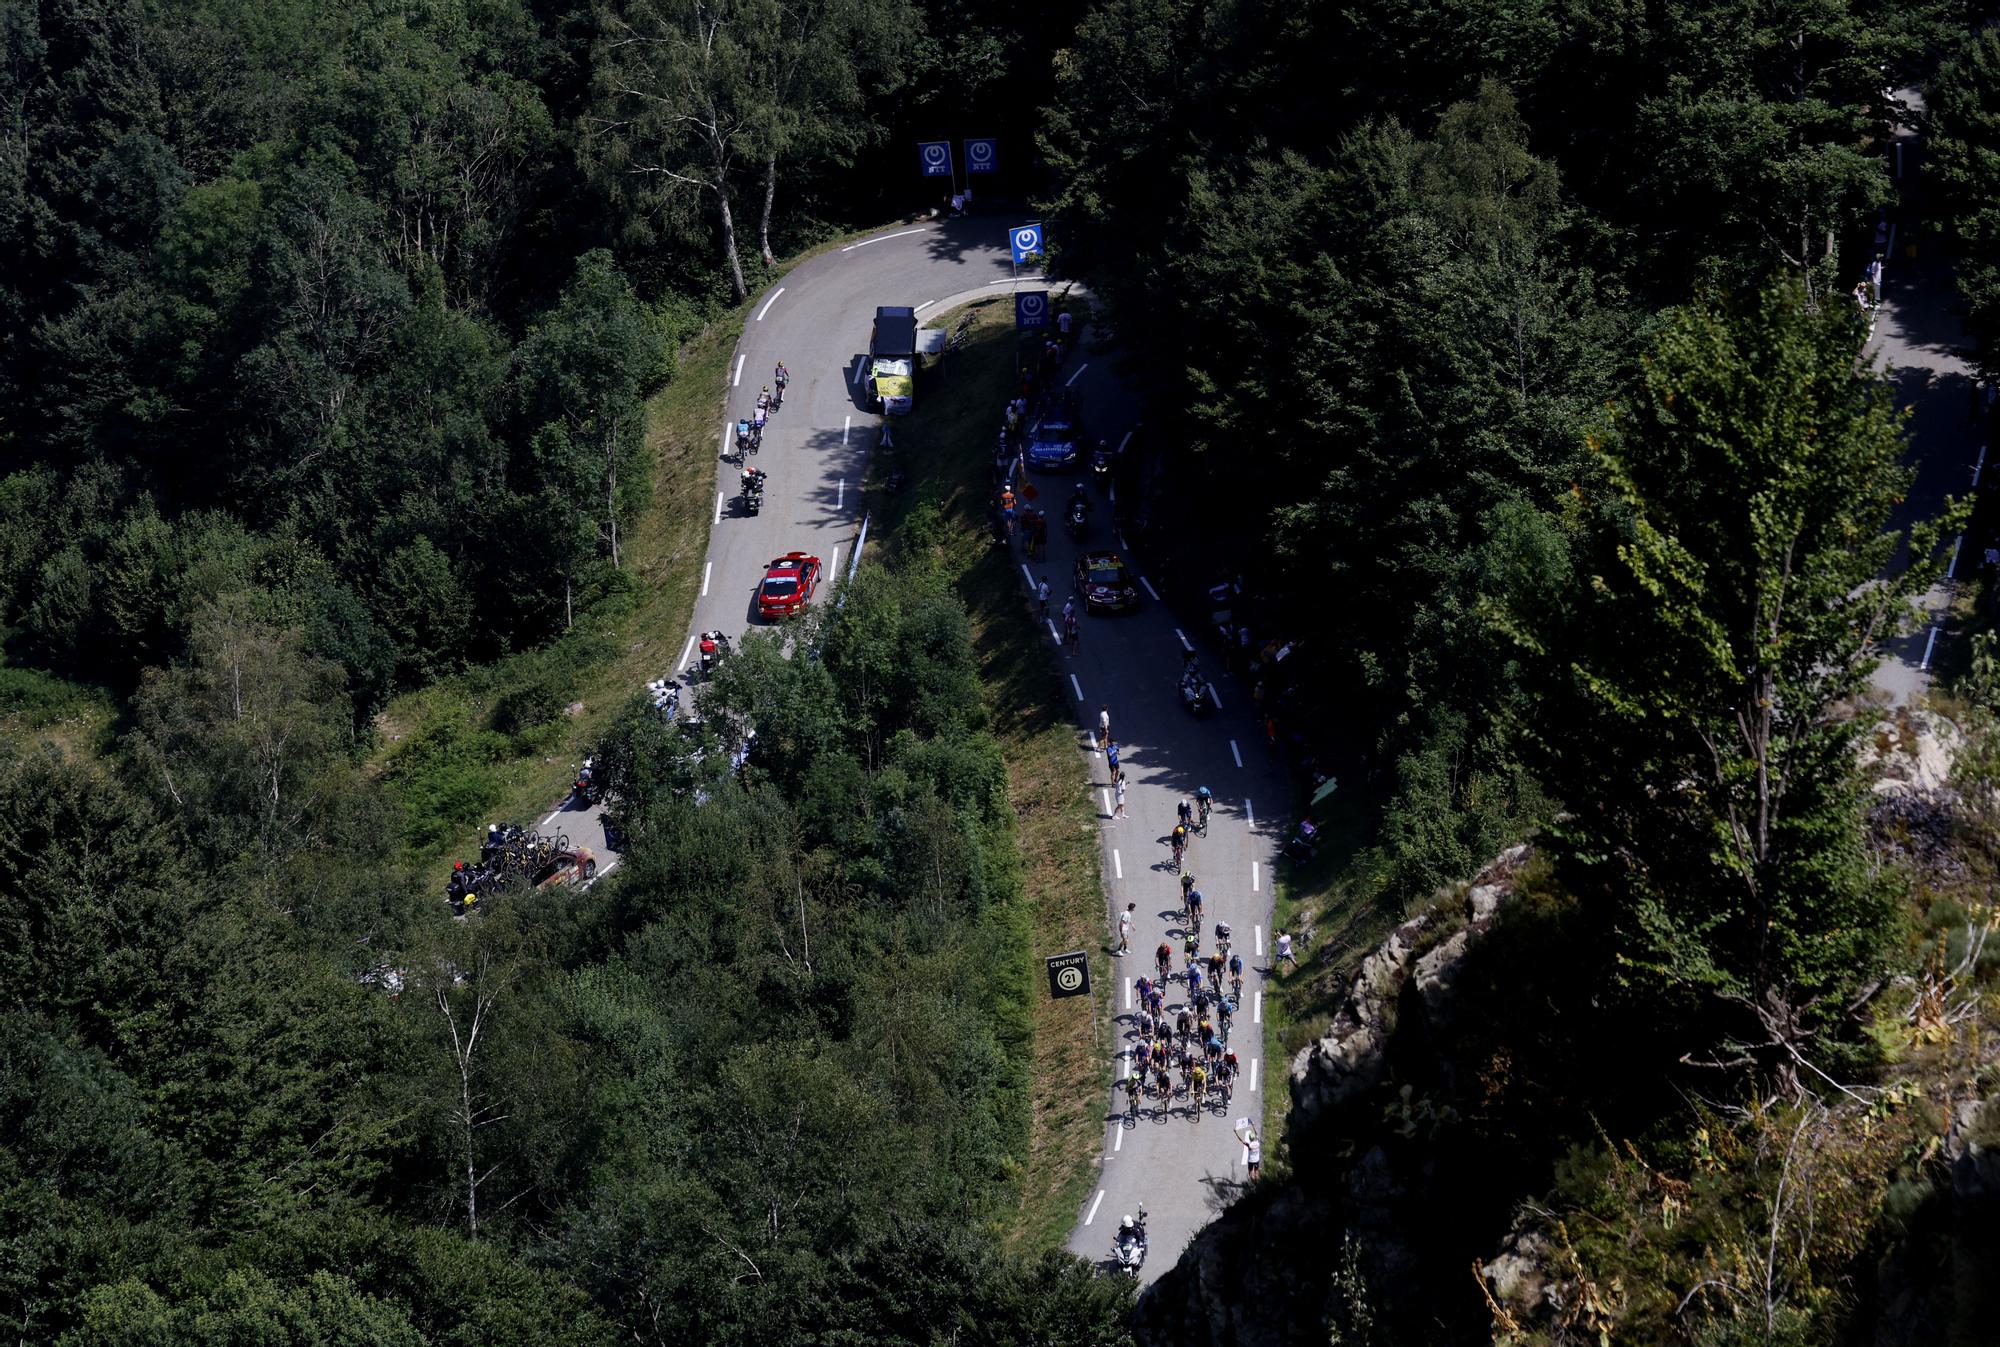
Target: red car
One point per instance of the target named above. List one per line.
(788, 585)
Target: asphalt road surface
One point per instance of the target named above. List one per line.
(1921, 344)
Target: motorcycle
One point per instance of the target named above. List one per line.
(1079, 520)
(714, 645)
(753, 491)
(1194, 695)
(586, 786)
(1100, 466)
(1128, 1246)
(666, 696)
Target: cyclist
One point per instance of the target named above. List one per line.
(1184, 809)
(1199, 1001)
(1179, 840)
(1191, 947)
(1229, 1065)
(1197, 1087)
(1135, 1088)
(764, 399)
(1222, 935)
(1183, 1025)
(1163, 959)
(1144, 986)
(1194, 905)
(1236, 972)
(1159, 1006)
(1225, 1009)
(1215, 970)
(1203, 800)
(781, 376)
(1187, 887)
(1194, 979)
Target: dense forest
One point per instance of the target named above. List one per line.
(328, 336)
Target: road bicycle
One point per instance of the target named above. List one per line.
(1203, 804)
(1198, 1098)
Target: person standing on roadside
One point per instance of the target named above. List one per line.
(1042, 593)
(1118, 794)
(1111, 759)
(1125, 921)
(1253, 1153)
(1103, 718)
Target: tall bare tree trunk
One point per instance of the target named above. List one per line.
(770, 195)
(741, 290)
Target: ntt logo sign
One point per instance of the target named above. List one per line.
(1026, 240)
(1031, 309)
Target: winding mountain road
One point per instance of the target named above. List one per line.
(815, 448)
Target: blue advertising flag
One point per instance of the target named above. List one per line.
(1031, 309)
(935, 156)
(1026, 241)
(982, 156)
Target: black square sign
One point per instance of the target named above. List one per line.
(1069, 975)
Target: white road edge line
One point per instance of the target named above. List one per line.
(1148, 584)
(1260, 943)
(1107, 801)
(833, 567)
(552, 814)
(1117, 866)
(1128, 990)
(718, 507)
(1236, 752)
(1117, 1138)
(769, 302)
(1027, 575)
(1186, 644)
(1092, 1214)
(1250, 812)
(1078, 686)
(839, 492)
(706, 571)
(1952, 570)
(735, 382)
(1929, 644)
(846, 424)
(1257, 1009)
(685, 654)
(1254, 1061)
(1078, 375)
(884, 238)
(1054, 635)
(1212, 697)
(925, 305)
(1256, 875)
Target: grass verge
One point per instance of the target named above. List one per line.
(942, 452)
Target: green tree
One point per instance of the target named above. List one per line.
(681, 105)
(1964, 101)
(1700, 667)
(247, 738)
(425, 611)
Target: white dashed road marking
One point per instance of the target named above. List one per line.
(1254, 1062)
(1255, 875)
(1092, 1215)
(1148, 584)
(1186, 644)
(1236, 752)
(1078, 686)
(1117, 866)
(1212, 697)
(846, 424)
(1078, 375)
(739, 371)
(1257, 1009)
(705, 572)
(551, 817)
(1250, 813)
(718, 507)
(687, 652)
(1260, 940)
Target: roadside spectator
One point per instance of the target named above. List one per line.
(1042, 593)
(1861, 298)
(1285, 954)
(1118, 794)
(1069, 633)
(1111, 756)
(1125, 920)
(1253, 1152)
(1103, 710)
(1063, 321)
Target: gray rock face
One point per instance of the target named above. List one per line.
(1348, 1062)
(1975, 1169)
(1436, 972)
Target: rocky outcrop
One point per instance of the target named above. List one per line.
(1910, 750)
(1348, 1062)
(1975, 1163)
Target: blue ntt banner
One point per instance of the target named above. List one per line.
(935, 156)
(1026, 240)
(982, 156)
(1031, 309)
